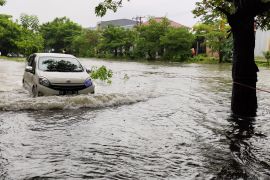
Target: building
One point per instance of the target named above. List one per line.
(262, 42)
(125, 23)
(172, 23)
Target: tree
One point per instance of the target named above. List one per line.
(101, 9)
(177, 43)
(9, 35)
(16, 39)
(30, 22)
(84, 45)
(129, 38)
(242, 16)
(148, 42)
(216, 37)
(267, 56)
(59, 34)
(2, 2)
(112, 40)
(29, 42)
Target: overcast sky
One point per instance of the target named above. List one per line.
(82, 11)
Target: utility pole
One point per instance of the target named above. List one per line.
(138, 19)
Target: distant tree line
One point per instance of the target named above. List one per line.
(156, 40)
(21, 38)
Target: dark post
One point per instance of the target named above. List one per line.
(244, 72)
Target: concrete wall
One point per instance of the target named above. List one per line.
(262, 42)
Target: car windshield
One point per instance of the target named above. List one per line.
(60, 64)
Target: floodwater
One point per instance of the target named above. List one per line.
(154, 121)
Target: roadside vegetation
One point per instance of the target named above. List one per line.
(263, 61)
(157, 41)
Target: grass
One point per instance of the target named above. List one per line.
(17, 59)
(202, 59)
(261, 62)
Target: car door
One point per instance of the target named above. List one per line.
(28, 76)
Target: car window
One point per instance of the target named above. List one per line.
(59, 64)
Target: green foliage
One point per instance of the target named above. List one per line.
(116, 41)
(203, 59)
(177, 43)
(102, 74)
(9, 34)
(16, 39)
(210, 10)
(2, 2)
(216, 38)
(29, 22)
(157, 39)
(129, 38)
(29, 42)
(59, 34)
(227, 50)
(148, 42)
(267, 56)
(101, 9)
(84, 45)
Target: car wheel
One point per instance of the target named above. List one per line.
(34, 92)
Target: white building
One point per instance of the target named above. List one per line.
(262, 42)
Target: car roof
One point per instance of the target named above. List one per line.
(54, 55)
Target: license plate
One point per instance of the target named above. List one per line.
(68, 92)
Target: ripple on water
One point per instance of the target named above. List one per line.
(184, 132)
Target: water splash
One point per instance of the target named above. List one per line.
(21, 101)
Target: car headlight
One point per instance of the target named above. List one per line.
(44, 81)
(88, 82)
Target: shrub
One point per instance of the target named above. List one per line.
(102, 74)
(267, 56)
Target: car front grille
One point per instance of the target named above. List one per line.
(67, 87)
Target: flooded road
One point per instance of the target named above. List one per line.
(153, 122)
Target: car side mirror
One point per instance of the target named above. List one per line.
(88, 70)
(29, 69)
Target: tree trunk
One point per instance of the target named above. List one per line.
(220, 53)
(115, 52)
(220, 56)
(244, 71)
(150, 55)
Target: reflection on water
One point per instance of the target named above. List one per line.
(163, 122)
(245, 162)
(238, 134)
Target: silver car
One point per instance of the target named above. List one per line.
(56, 74)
